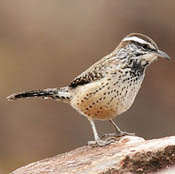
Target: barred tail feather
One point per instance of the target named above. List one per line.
(53, 93)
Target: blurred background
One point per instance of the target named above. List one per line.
(47, 43)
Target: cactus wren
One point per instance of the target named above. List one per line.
(108, 88)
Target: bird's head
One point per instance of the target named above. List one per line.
(140, 49)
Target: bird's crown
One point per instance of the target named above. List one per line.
(140, 40)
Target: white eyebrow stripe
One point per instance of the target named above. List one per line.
(136, 39)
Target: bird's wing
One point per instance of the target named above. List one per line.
(86, 77)
(96, 72)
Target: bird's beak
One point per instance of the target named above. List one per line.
(162, 54)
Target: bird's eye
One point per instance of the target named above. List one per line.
(138, 54)
(145, 46)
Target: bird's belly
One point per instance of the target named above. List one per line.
(97, 106)
(103, 101)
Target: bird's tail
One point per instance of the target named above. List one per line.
(62, 94)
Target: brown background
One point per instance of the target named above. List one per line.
(47, 43)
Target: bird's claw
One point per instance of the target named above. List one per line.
(101, 142)
(117, 135)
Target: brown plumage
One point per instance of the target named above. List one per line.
(108, 88)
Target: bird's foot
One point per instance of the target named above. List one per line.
(102, 142)
(118, 134)
(123, 133)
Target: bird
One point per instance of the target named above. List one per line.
(109, 87)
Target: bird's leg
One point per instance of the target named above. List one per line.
(118, 132)
(98, 141)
